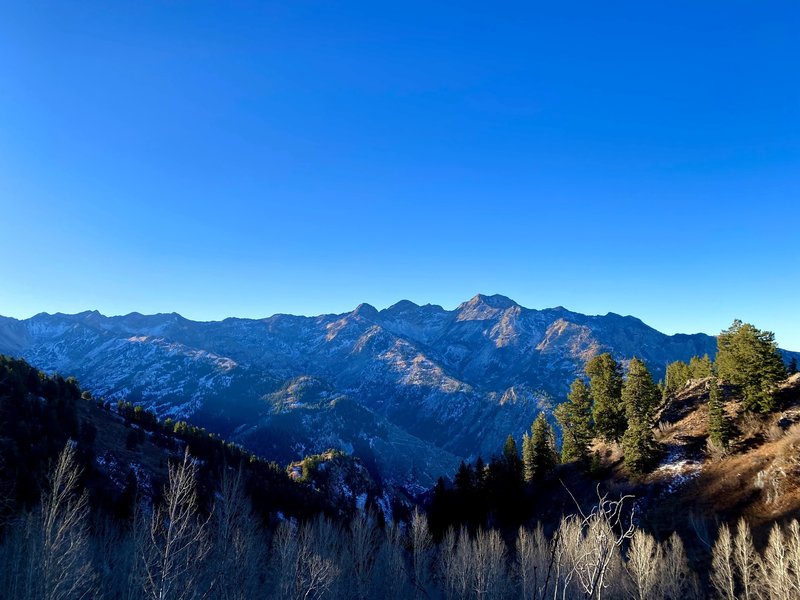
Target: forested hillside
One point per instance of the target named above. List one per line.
(412, 390)
(102, 499)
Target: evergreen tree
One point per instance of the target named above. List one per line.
(465, 478)
(542, 440)
(719, 426)
(605, 385)
(511, 457)
(639, 394)
(528, 465)
(640, 397)
(575, 418)
(678, 374)
(792, 368)
(639, 447)
(700, 368)
(749, 358)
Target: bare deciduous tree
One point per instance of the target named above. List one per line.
(644, 565)
(489, 560)
(420, 543)
(747, 562)
(723, 576)
(677, 579)
(793, 550)
(318, 551)
(65, 570)
(776, 566)
(593, 543)
(237, 554)
(361, 553)
(391, 571)
(177, 543)
(285, 550)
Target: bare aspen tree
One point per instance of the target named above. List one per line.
(525, 564)
(565, 549)
(464, 564)
(793, 551)
(65, 570)
(177, 543)
(420, 543)
(361, 551)
(318, 549)
(237, 553)
(391, 571)
(534, 562)
(284, 555)
(489, 558)
(593, 544)
(747, 561)
(776, 567)
(677, 580)
(644, 564)
(723, 576)
(446, 564)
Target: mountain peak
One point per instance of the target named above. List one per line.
(493, 301)
(365, 310)
(481, 307)
(402, 306)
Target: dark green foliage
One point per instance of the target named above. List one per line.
(527, 458)
(37, 417)
(640, 397)
(792, 368)
(719, 426)
(511, 457)
(639, 393)
(605, 384)
(575, 418)
(700, 368)
(39, 414)
(748, 357)
(639, 447)
(678, 372)
(543, 447)
(677, 375)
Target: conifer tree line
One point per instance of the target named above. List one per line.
(617, 407)
(176, 550)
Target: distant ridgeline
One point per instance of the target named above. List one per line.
(105, 500)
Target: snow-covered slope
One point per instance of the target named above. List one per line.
(456, 382)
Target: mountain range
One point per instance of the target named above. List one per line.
(410, 389)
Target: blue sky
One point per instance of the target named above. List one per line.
(240, 158)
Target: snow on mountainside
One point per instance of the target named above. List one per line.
(447, 383)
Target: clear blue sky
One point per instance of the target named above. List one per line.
(236, 158)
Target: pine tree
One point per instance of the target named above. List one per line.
(719, 427)
(640, 397)
(542, 440)
(511, 457)
(677, 375)
(638, 447)
(792, 368)
(605, 384)
(700, 368)
(639, 394)
(528, 465)
(575, 418)
(749, 358)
